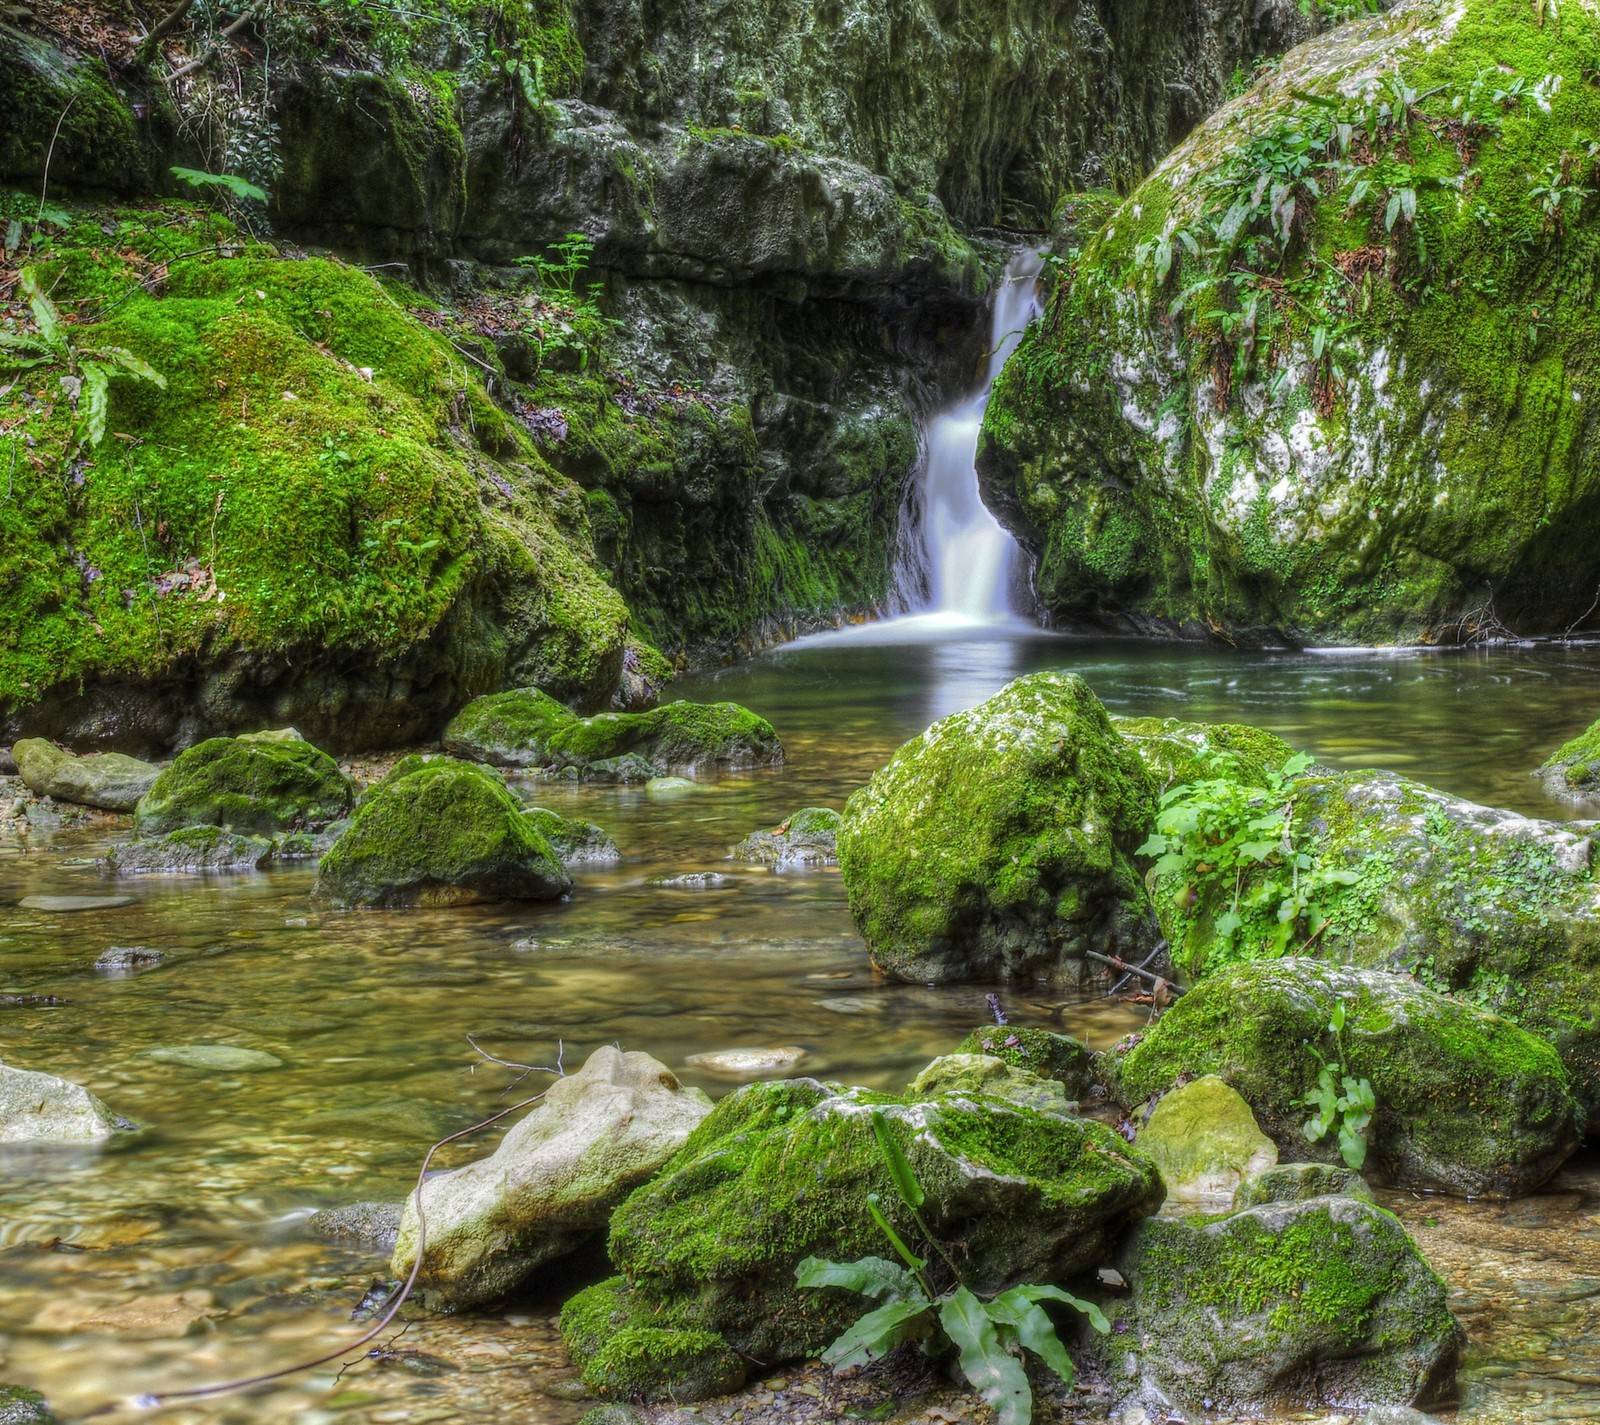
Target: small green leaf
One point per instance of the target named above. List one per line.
(871, 1276)
(905, 1180)
(876, 1334)
(991, 1370)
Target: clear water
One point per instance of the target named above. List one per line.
(369, 1014)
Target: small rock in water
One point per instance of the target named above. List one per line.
(227, 1057)
(40, 1108)
(747, 1063)
(66, 903)
(126, 959)
(155, 1317)
(21, 1406)
(853, 1005)
(371, 1224)
(691, 881)
(665, 786)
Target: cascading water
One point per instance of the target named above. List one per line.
(966, 558)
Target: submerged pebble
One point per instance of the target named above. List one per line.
(68, 903)
(227, 1057)
(747, 1063)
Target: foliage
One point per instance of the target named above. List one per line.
(583, 327)
(229, 183)
(1342, 1102)
(1339, 12)
(1233, 844)
(88, 370)
(987, 1334)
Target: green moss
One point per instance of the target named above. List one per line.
(1294, 1182)
(244, 786)
(998, 844)
(1039, 1051)
(572, 840)
(1573, 769)
(511, 729)
(21, 1406)
(1174, 751)
(443, 833)
(646, 1363)
(679, 736)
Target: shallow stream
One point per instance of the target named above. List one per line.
(174, 1259)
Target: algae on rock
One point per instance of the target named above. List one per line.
(247, 786)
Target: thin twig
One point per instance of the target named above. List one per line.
(1584, 615)
(164, 27)
(50, 153)
(1117, 964)
(527, 1069)
(216, 49)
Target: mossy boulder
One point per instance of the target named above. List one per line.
(1069, 1061)
(508, 729)
(1175, 751)
(1204, 1140)
(1294, 1182)
(620, 1360)
(442, 833)
(808, 837)
(553, 1181)
(1497, 908)
(109, 781)
(575, 842)
(1287, 1306)
(21, 1406)
(999, 843)
(780, 1171)
(1467, 1102)
(245, 786)
(1572, 771)
(191, 849)
(1296, 389)
(983, 1075)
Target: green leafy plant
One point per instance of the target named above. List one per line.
(987, 1333)
(86, 371)
(1233, 846)
(1342, 1104)
(229, 183)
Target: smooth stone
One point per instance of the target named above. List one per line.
(226, 1057)
(70, 903)
(746, 1063)
(40, 1108)
(159, 1316)
(1205, 1141)
(663, 786)
(191, 850)
(852, 1005)
(108, 781)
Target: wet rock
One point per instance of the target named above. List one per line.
(527, 728)
(223, 1058)
(367, 1224)
(21, 1406)
(1294, 1182)
(159, 1316)
(109, 781)
(128, 959)
(248, 786)
(1320, 1303)
(987, 1077)
(780, 1171)
(691, 881)
(1204, 1139)
(1069, 1061)
(1467, 1102)
(68, 904)
(1398, 1415)
(1175, 751)
(809, 837)
(1572, 771)
(999, 844)
(554, 1180)
(575, 842)
(189, 850)
(270, 735)
(747, 1063)
(666, 786)
(442, 832)
(40, 1108)
(629, 770)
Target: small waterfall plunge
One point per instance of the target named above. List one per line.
(958, 552)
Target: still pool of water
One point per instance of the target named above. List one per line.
(173, 1258)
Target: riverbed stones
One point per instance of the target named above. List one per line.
(246, 786)
(219, 1058)
(441, 832)
(1467, 1102)
(1069, 1061)
(527, 728)
(999, 844)
(553, 1181)
(21, 1406)
(807, 837)
(1205, 1141)
(1572, 771)
(40, 1108)
(1287, 1306)
(748, 1063)
(780, 1172)
(109, 781)
(66, 905)
(190, 849)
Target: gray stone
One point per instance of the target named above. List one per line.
(747, 1063)
(554, 1180)
(127, 959)
(190, 850)
(40, 1108)
(367, 1224)
(226, 1058)
(1294, 1182)
(809, 837)
(109, 781)
(74, 903)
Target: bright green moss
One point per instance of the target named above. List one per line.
(1572, 771)
(1051, 1056)
(510, 729)
(648, 1363)
(678, 736)
(1174, 751)
(245, 786)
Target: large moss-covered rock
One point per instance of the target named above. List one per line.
(553, 1181)
(1312, 1304)
(575, 842)
(508, 729)
(780, 1171)
(1298, 388)
(1496, 907)
(1174, 751)
(999, 843)
(1572, 771)
(246, 786)
(441, 833)
(110, 781)
(40, 1108)
(1467, 1102)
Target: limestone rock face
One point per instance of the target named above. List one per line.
(1321, 1303)
(553, 1181)
(1467, 1102)
(1204, 1139)
(245, 785)
(439, 832)
(1380, 458)
(109, 781)
(40, 1108)
(999, 843)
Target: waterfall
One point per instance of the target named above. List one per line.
(965, 558)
